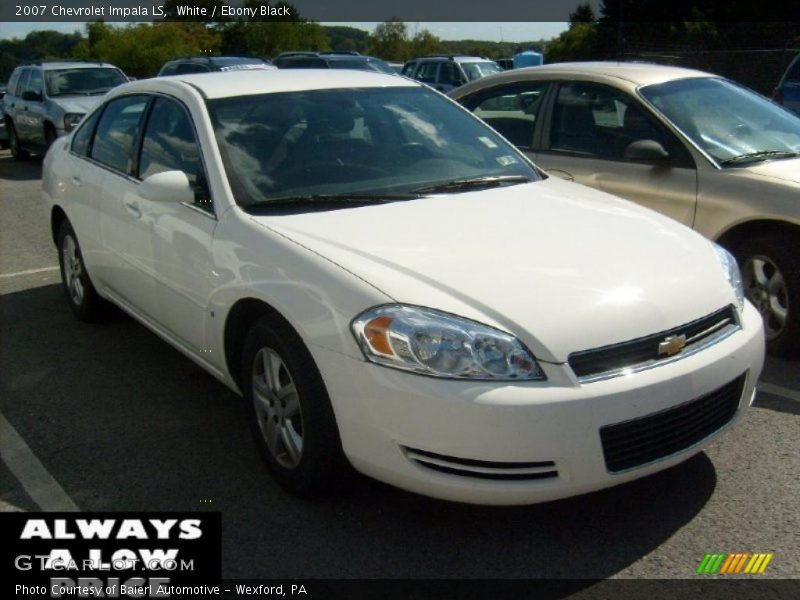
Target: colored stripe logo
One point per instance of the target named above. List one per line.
(737, 562)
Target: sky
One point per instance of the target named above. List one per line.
(495, 32)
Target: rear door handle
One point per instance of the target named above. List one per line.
(133, 208)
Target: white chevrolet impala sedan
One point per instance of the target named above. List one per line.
(391, 283)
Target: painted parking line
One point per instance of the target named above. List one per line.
(28, 272)
(30, 472)
(779, 390)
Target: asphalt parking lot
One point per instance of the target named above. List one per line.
(108, 417)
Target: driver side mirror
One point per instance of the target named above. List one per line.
(647, 150)
(167, 186)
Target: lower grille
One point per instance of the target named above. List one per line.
(640, 441)
(482, 469)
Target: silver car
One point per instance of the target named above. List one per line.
(46, 100)
(701, 149)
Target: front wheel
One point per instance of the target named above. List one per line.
(292, 417)
(78, 288)
(771, 278)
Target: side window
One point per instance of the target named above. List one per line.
(12, 82)
(116, 133)
(511, 110)
(426, 73)
(595, 120)
(187, 68)
(81, 139)
(169, 144)
(408, 69)
(22, 83)
(449, 74)
(34, 86)
(169, 69)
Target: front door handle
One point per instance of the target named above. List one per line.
(133, 208)
(76, 181)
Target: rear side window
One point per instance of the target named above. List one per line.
(187, 68)
(169, 69)
(12, 83)
(116, 133)
(81, 140)
(22, 82)
(427, 72)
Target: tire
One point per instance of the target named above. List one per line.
(771, 278)
(291, 414)
(50, 134)
(78, 289)
(17, 151)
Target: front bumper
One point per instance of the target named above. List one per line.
(387, 418)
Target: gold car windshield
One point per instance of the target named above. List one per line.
(732, 124)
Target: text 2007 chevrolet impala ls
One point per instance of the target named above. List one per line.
(389, 281)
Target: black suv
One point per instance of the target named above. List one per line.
(331, 60)
(206, 64)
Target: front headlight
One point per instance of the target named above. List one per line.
(728, 263)
(434, 343)
(71, 120)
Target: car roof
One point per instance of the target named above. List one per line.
(633, 72)
(70, 64)
(245, 83)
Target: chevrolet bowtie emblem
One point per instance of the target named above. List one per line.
(671, 345)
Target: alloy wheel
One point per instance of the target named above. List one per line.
(73, 270)
(277, 407)
(765, 287)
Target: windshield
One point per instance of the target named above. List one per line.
(727, 120)
(354, 141)
(476, 70)
(84, 81)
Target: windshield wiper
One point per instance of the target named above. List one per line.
(759, 156)
(320, 199)
(472, 184)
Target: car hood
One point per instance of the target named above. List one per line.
(77, 104)
(563, 267)
(785, 170)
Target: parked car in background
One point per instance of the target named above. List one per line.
(47, 99)
(397, 67)
(505, 63)
(788, 91)
(3, 133)
(445, 73)
(386, 279)
(701, 149)
(331, 60)
(207, 64)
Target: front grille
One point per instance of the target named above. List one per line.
(598, 363)
(646, 439)
(482, 469)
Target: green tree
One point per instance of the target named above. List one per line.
(390, 40)
(424, 42)
(140, 50)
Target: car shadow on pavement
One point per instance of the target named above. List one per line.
(124, 422)
(19, 170)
